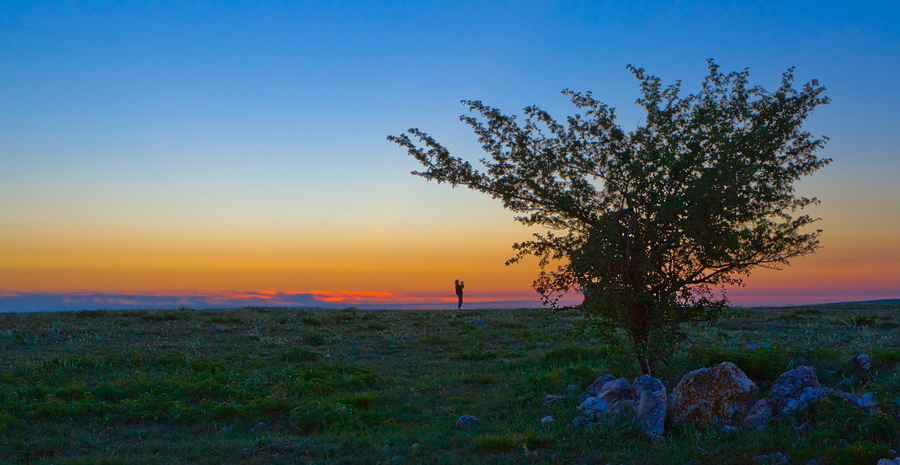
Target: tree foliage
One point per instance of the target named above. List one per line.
(652, 224)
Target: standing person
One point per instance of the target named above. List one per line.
(459, 287)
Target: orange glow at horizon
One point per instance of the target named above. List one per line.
(398, 265)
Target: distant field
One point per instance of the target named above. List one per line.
(260, 385)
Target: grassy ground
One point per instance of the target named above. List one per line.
(259, 385)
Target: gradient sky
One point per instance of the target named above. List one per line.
(236, 148)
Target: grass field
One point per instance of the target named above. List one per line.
(260, 385)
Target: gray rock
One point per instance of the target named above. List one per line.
(646, 383)
(594, 407)
(466, 421)
(759, 415)
(258, 427)
(548, 419)
(868, 402)
(808, 397)
(896, 461)
(552, 400)
(790, 385)
(571, 387)
(598, 384)
(625, 408)
(615, 391)
(861, 362)
(650, 412)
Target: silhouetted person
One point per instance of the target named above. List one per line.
(459, 287)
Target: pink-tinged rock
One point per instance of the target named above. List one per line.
(759, 415)
(790, 385)
(598, 384)
(615, 391)
(720, 395)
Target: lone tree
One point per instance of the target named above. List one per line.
(652, 224)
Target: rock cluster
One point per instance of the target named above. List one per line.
(644, 401)
(720, 396)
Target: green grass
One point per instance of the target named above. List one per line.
(258, 385)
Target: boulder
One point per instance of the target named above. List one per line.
(466, 421)
(594, 407)
(808, 397)
(790, 385)
(598, 384)
(650, 412)
(720, 395)
(615, 391)
(759, 415)
(646, 383)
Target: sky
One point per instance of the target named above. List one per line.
(234, 153)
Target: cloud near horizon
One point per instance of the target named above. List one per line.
(12, 301)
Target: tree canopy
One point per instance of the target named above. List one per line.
(651, 224)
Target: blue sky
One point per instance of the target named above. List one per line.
(155, 147)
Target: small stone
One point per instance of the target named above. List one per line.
(416, 445)
(398, 458)
(571, 387)
(258, 426)
(466, 421)
(548, 419)
(476, 321)
(861, 362)
(868, 402)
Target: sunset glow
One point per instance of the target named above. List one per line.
(236, 155)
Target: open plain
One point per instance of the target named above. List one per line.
(273, 385)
